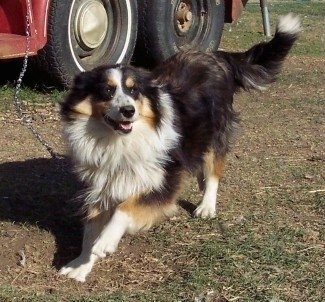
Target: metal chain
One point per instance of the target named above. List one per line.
(22, 114)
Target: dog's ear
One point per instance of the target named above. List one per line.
(81, 88)
(83, 82)
(142, 77)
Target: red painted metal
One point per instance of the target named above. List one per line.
(14, 46)
(13, 23)
(11, 17)
(234, 8)
(40, 14)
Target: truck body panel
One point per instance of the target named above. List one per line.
(13, 27)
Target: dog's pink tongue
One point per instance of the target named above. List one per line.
(126, 125)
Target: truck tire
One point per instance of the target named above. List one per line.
(82, 34)
(165, 27)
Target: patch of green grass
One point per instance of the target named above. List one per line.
(304, 102)
(11, 294)
(319, 204)
(27, 96)
(32, 96)
(291, 77)
(6, 97)
(248, 265)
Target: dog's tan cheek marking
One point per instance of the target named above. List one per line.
(145, 216)
(98, 109)
(84, 107)
(145, 111)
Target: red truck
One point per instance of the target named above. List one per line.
(68, 36)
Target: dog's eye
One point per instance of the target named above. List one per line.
(110, 91)
(133, 91)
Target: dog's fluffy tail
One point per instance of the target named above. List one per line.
(260, 64)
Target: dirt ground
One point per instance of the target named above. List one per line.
(39, 233)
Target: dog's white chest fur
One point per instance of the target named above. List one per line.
(116, 166)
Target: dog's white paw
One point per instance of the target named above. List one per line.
(79, 273)
(79, 268)
(205, 210)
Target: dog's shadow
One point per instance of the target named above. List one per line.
(40, 192)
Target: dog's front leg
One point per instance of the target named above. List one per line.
(102, 237)
(111, 234)
(80, 267)
(132, 215)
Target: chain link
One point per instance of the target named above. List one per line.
(21, 111)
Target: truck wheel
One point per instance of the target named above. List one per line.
(83, 34)
(165, 27)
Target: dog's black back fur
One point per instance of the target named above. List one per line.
(202, 86)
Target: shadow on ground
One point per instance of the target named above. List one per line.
(34, 77)
(39, 192)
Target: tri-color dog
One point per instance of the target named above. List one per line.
(134, 134)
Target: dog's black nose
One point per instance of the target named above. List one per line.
(127, 111)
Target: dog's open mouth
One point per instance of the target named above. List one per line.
(123, 126)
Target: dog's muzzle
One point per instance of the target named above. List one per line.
(125, 124)
(127, 111)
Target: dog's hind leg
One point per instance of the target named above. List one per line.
(213, 168)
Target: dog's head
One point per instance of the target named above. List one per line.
(117, 96)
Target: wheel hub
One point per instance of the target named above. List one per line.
(184, 17)
(91, 24)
